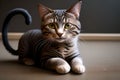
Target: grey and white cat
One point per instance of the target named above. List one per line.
(54, 46)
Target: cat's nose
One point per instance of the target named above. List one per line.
(60, 34)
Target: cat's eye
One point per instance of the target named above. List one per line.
(51, 25)
(67, 26)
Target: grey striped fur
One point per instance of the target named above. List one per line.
(54, 46)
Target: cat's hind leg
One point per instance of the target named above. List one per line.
(28, 61)
(25, 55)
(58, 64)
(77, 65)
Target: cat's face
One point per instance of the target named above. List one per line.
(60, 25)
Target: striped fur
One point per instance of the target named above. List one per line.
(54, 46)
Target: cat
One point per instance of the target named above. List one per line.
(54, 45)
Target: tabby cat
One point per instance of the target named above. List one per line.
(52, 47)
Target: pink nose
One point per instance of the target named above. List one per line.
(59, 34)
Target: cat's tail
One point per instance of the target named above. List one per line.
(12, 13)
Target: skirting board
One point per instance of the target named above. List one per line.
(83, 36)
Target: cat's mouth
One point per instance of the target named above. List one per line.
(60, 39)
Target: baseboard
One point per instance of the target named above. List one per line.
(83, 36)
(100, 36)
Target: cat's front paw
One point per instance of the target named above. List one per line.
(78, 69)
(62, 69)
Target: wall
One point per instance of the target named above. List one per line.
(97, 16)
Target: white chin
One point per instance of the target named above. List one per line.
(60, 40)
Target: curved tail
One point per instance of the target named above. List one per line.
(12, 13)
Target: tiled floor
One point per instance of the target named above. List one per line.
(102, 60)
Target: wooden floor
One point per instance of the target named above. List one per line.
(102, 60)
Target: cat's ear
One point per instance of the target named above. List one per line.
(75, 9)
(43, 10)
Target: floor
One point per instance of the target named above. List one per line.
(102, 60)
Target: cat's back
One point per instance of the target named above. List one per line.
(31, 35)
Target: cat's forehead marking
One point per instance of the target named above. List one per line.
(56, 13)
(59, 12)
(56, 16)
(60, 17)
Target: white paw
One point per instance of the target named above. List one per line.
(63, 68)
(78, 69)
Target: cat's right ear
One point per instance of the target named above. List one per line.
(43, 10)
(75, 9)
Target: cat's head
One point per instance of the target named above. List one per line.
(60, 25)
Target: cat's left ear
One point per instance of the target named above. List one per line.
(43, 10)
(75, 9)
